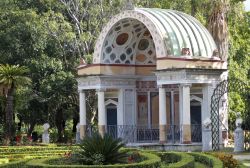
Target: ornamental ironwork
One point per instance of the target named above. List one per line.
(226, 86)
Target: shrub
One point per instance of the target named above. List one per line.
(101, 150)
(227, 159)
(176, 160)
(207, 160)
(151, 161)
(14, 164)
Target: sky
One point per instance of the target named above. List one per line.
(247, 5)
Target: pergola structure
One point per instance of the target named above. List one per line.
(154, 71)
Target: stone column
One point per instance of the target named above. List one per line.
(120, 113)
(207, 92)
(162, 114)
(102, 117)
(185, 123)
(82, 99)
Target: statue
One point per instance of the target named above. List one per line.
(238, 121)
(207, 122)
(238, 135)
(78, 139)
(45, 136)
(129, 5)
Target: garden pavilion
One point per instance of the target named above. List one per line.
(154, 71)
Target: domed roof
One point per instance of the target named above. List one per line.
(173, 33)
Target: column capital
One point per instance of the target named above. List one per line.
(160, 86)
(185, 85)
(81, 91)
(101, 90)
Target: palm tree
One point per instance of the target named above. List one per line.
(11, 77)
(217, 25)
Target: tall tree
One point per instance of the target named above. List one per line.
(218, 27)
(12, 76)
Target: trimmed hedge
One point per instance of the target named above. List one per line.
(176, 160)
(152, 161)
(207, 160)
(15, 164)
(4, 161)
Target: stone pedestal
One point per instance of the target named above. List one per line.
(207, 139)
(78, 137)
(238, 135)
(238, 140)
(45, 136)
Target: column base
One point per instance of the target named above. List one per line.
(102, 130)
(82, 131)
(186, 134)
(162, 129)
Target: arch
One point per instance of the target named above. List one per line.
(110, 101)
(226, 86)
(133, 14)
(174, 33)
(193, 97)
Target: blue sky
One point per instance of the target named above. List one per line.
(247, 5)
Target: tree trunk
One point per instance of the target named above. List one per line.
(9, 112)
(217, 26)
(31, 128)
(59, 125)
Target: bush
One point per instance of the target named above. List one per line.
(14, 164)
(227, 159)
(176, 160)
(4, 161)
(151, 161)
(207, 160)
(101, 150)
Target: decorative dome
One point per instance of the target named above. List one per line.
(141, 35)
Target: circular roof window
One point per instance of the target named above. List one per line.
(122, 38)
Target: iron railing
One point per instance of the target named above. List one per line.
(148, 134)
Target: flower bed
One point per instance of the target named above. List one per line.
(150, 161)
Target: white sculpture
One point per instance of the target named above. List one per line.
(207, 122)
(238, 135)
(129, 5)
(45, 136)
(78, 139)
(238, 121)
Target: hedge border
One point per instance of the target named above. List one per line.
(14, 164)
(152, 161)
(207, 159)
(183, 160)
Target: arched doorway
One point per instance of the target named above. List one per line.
(226, 86)
(195, 116)
(111, 110)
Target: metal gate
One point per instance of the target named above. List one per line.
(226, 86)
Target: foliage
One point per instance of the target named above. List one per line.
(227, 159)
(151, 161)
(50, 37)
(101, 150)
(176, 160)
(207, 160)
(12, 77)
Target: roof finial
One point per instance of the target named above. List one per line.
(129, 5)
